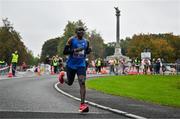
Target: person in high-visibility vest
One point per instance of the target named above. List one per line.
(55, 64)
(98, 65)
(14, 62)
(2, 63)
(137, 63)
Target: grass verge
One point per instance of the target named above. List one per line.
(163, 90)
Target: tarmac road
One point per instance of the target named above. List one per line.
(36, 97)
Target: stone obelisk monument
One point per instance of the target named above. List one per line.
(117, 52)
(117, 46)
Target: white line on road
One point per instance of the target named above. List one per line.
(100, 106)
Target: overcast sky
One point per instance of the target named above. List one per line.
(40, 20)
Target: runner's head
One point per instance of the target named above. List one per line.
(80, 31)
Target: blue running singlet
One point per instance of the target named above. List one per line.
(77, 59)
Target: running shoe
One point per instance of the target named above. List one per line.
(61, 77)
(83, 108)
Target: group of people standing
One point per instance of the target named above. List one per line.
(55, 62)
(136, 65)
(147, 66)
(113, 65)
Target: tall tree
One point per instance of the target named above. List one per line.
(10, 40)
(161, 48)
(97, 44)
(109, 49)
(49, 48)
(165, 46)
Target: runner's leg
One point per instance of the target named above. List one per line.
(81, 72)
(70, 75)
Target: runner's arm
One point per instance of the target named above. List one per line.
(88, 49)
(67, 48)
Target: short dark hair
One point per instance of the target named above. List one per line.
(79, 28)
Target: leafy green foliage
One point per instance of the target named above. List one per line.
(56, 45)
(165, 46)
(97, 44)
(31, 60)
(10, 41)
(49, 48)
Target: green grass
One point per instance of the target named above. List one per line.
(163, 90)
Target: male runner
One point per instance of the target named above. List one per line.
(77, 48)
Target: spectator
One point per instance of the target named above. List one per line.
(14, 62)
(137, 64)
(158, 66)
(178, 65)
(153, 66)
(2, 63)
(24, 66)
(111, 64)
(98, 65)
(116, 65)
(61, 67)
(55, 63)
(123, 65)
(132, 64)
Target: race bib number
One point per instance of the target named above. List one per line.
(79, 54)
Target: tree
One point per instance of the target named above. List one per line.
(31, 59)
(124, 45)
(109, 49)
(137, 45)
(161, 48)
(49, 48)
(97, 44)
(10, 40)
(164, 46)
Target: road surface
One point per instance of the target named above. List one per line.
(35, 97)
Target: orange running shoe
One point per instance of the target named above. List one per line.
(61, 77)
(83, 108)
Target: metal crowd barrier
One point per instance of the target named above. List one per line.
(165, 69)
(171, 68)
(4, 70)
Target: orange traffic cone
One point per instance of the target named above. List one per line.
(135, 71)
(52, 70)
(131, 72)
(105, 70)
(10, 71)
